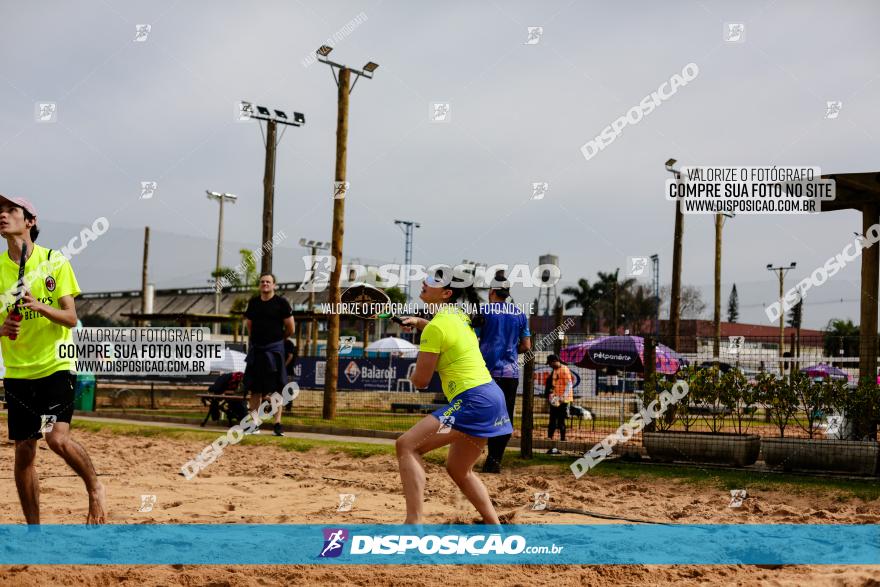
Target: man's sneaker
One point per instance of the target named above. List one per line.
(553, 451)
(277, 430)
(256, 431)
(491, 466)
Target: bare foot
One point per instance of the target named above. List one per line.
(508, 517)
(96, 506)
(505, 518)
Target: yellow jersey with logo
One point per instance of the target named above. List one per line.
(32, 355)
(461, 365)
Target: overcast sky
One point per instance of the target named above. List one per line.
(164, 110)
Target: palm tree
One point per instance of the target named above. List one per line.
(637, 304)
(609, 283)
(585, 297)
(841, 335)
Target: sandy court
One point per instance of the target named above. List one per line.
(267, 484)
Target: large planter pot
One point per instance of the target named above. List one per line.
(852, 456)
(703, 447)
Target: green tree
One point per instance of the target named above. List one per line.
(841, 335)
(227, 276)
(733, 305)
(637, 305)
(245, 274)
(796, 314)
(609, 282)
(692, 304)
(251, 275)
(396, 295)
(779, 398)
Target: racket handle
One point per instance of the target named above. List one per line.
(16, 316)
(397, 320)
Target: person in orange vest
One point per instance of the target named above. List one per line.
(560, 394)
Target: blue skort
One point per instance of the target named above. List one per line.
(479, 411)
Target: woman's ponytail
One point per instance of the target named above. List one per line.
(466, 295)
(473, 298)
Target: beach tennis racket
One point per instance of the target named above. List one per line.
(366, 301)
(16, 310)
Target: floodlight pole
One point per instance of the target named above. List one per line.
(675, 293)
(407, 226)
(217, 287)
(716, 315)
(268, 195)
(272, 121)
(655, 272)
(344, 87)
(312, 340)
(338, 232)
(144, 274)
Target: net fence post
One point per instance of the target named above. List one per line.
(528, 406)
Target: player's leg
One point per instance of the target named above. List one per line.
(26, 481)
(425, 436)
(276, 428)
(463, 453)
(253, 382)
(563, 415)
(23, 421)
(254, 400)
(497, 444)
(57, 398)
(77, 458)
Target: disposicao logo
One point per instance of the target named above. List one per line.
(334, 541)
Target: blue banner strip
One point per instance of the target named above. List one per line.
(263, 544)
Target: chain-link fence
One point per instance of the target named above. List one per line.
(804, 407)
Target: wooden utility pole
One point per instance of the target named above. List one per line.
(144, 270)
(366, 327)
(268, 195)
(650, 356)
(557, 324)
(675, 294)
(312, 341)
(865, 424)
(329, 408)
(299, 336)
(781, 321)
(616, 303)
(527, 420)
(716, 321)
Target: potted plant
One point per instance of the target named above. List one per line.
(778, 399)
(654, 385)
(713, 397)
(740, 398)
(816, 399)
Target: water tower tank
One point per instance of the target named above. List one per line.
(547, 260)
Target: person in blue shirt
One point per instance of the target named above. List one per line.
(504, 334)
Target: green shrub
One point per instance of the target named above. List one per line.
(778, 398)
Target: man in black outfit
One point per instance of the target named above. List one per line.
(269, 322)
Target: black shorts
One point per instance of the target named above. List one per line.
(260, 378)
(31, 399)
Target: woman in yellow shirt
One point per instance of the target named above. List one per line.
(476, 409)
